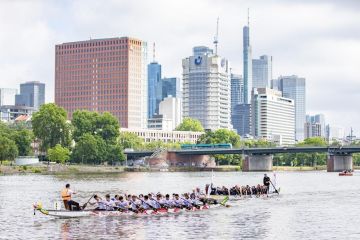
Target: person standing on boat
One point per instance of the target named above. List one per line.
(69, 204)
(266, 182)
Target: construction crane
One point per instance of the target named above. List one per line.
(216, 40)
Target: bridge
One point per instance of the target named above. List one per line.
(260, 159)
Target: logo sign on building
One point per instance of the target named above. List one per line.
(198, 60)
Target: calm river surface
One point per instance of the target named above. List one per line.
(312, 205)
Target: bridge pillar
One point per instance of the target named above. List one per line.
(339, 162)
(258, 163)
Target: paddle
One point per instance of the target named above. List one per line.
(193, 204)
(155, 209)
(84, 206)
(274, 187)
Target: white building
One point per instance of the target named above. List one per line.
(171, 108)
(206, 89)
(160, 122)
(7, 96)
(150, 135)
(273, 116)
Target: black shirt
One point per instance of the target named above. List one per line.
(266, 181)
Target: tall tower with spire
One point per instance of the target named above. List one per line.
(154, 86)
(247, 62)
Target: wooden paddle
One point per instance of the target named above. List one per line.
(274, 187)
(84, 206)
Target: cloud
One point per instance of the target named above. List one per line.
(318, 40)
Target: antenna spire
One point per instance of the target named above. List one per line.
(216, 40)
(248, 17)
(154, 52)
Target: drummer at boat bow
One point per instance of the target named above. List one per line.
(69, 204)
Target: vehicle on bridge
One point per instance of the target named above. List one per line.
(206, 146)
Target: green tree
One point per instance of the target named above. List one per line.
(114, 154)
(130, 140)
(108, 127)
(50, 126)
(23, 139)
(190, 124)
(222, 136)
(104, 125)
(314, 141)
(8, 149)
(89, 149)
(84, 122)
(58, 154)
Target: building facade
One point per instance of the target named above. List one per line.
(171, 108)
(262, 72)
(7, 96)
(273, 116)
(206, 89)
(171, 87)
(8, 113)
(104, 75)
(160, 122)
(32, 94)
(237, 90)
(241, 119)
(334, 133)
(315, 126)
(150, 135)
(154, 88)
(293, 87)
(247, 64)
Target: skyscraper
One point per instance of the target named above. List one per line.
(315, 126)
(104, 75)
(247, 64)
(171, 87)
(273, 116)
(237, 90)
(262, 72)
(206, 89)
(7, 96)
(154, 88)
(241, 119)
(32, 94)
(293, 87)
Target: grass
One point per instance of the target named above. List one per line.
(298, 168)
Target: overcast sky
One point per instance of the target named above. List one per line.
(318, 40)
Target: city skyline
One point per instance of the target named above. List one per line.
(299, 42)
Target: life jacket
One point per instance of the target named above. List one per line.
(65, 195)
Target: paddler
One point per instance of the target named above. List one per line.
(101, 206)
(266, 182)
(69, 204)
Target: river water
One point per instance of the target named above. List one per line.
(311, 205)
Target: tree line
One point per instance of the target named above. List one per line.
(94, 138)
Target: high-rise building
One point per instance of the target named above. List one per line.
(104, 75)
(7, 96)
(334, 133)
(206, 89)
(171, 108)
(32, 94)
(315, 126)
(262, 72)
(171, 87)
(237, 90)
(293, 87)
(241, 119)
(154, 88)
(247, 64)
(273, 116)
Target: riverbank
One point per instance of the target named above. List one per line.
(84, 169)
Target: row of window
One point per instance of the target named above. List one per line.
(98, 43)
